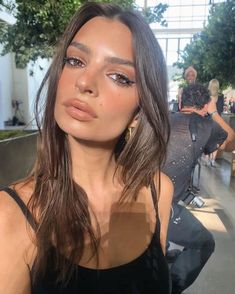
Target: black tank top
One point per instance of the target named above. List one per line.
(147, 274)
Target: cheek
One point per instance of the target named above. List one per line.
(122, 103)
(65, 83)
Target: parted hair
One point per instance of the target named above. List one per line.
(60, 205)
(195, 95)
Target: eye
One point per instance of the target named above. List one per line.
(121, 79)
(74, 62)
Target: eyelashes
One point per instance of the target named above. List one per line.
(117, 77)
(121, 79)
(74, 62)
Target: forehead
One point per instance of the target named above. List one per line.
(191, 73)
(97, 23)
(102, 30)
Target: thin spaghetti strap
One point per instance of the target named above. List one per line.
(155, 202)
(154, 194)
(22, 206)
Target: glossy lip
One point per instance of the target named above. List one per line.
(79, 110)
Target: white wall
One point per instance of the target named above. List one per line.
(6, 87)
(20, 91)
(6, 75)
(26, 83)
(39, 69)
(173, 86)
(19, 84)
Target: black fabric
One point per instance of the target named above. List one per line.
(220, 104)
(186, 230)
(181, 153)
(148, 273)
(22, 206)
(232, 107)
(217, 137)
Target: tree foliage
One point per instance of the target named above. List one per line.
(39, 24)
(155, 14)
(212, 52)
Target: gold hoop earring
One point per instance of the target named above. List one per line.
(129, 133)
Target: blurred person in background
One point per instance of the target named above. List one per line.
(191, 134)
(214, 89)
(190, 76)
(218, 98)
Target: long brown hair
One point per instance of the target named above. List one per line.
(59, 204)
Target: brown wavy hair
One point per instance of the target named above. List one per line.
(58, 203)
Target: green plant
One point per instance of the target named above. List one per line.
(212, 52)
(12, 133)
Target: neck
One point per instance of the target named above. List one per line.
(93, 165)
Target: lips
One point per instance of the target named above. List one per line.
(79, 110)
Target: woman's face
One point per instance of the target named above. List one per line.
(97, 95)
(191, 77)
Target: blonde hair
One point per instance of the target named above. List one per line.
(190, 69)
(213, 87)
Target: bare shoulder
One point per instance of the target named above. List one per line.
(164, 185)
(164, 203)
(14, 245)
(12, 219)
(166, 194)
(9, 209)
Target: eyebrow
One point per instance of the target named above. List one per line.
(112, 60)
(81, 46)
(117, 60)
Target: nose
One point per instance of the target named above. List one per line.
(87, 82)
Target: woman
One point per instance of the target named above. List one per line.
(97, 204)
(190, 76)
(213, 88)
